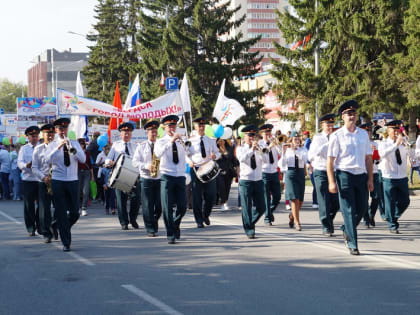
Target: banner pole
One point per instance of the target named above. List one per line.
(185, 124)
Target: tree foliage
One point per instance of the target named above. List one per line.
(9, 91)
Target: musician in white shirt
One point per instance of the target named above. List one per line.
(29, 181)
(202, 150)
(270, 175)
(125, 146)
(41, 169)
(328, 203)
(64, 154)
(251, 186)
(293, 160)
(150, 182)
(350, 152)
(394, 175)
(172, 152)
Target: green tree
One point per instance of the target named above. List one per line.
(9, 91)
(109, 55)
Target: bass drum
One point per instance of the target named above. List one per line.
(208, 171)
(124, 175)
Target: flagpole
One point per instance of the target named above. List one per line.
(185, 124)
(191, 126)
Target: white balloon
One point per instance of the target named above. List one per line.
(227, 134)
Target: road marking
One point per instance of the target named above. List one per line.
(367, 254)
(10, 218)
(148, 298)
(81, 259)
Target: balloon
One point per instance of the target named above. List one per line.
(160, 132)
(209, 131)
(227, 134)
(187, 168)
(102, 141)
(72, 135)
(218, 130)
(22, 140)
(241, 134)
(5, 141)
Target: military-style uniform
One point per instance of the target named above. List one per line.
(328, 203)
(199, 153)
(251, 186)
(172, 187)
(150, 186)
(30, 185)
(65, 183)
(270, 176)
(128, 148)
(395, 181)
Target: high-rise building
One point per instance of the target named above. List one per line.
(54, 69)
(261, 19)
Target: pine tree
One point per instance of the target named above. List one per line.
(109, 56)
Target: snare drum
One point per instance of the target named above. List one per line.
(208, 171)
(124, 175)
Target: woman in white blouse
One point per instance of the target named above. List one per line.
(293, 161)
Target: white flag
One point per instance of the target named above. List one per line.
(185, 94)
(227, 110)
(133, 94)
(78, 123)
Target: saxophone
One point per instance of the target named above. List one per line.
(154, 168)
(49, 188)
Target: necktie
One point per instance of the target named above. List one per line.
(152, 147)
(66, 155)
(126, 149)
(175, 153)
(296, 162)
(398, 156)
(253, 162)
(203, 149)
(270, 154)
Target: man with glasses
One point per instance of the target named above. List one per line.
(270, 176)
(202, 150)
(350, 152)
(172, 152)
(394, 175)
(125, 146)
(30, 181)
(41, 170)
(64, 155)
(251, 186)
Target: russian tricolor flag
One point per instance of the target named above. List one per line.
(134, 95)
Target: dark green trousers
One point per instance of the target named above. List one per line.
(252, 193)
(66, 198)
(200, 191)
(272, 194)
(374, 199)
(328, 203)
(45, 216)
(172, 192)
(122, 199)
(396, 200)
(30, 212)
(353, 194)
(381, 196)
(151, 206)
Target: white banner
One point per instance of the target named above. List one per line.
(69, 103)
(23, 124)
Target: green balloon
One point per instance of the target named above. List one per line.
(241, 134)
(5, 141)
(72, 135)
(22, 140)
(209, 132)
(160, 132)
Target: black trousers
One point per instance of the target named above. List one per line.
(46, 219)
(30, 211)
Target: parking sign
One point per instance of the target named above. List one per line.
(171, 84)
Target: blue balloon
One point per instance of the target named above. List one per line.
(219, 131)
(102, 141)
(187, 168)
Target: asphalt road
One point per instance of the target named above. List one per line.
(215, 270)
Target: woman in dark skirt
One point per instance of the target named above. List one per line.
(293, 160)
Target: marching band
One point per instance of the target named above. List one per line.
(347, 165)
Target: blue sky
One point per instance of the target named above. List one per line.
(28, 27)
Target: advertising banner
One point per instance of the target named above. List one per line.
(36, 106)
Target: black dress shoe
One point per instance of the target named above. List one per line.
(66, 248)
(152, 234)
(394, 231)
(206, 220)
(55, 232)
(327, 233)
(354, 251)
(251, 236)
(171, 242)
(124, 227)
(372, 221)
(200, 225)
(47, 239)
(32, 233)
(135, 225)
